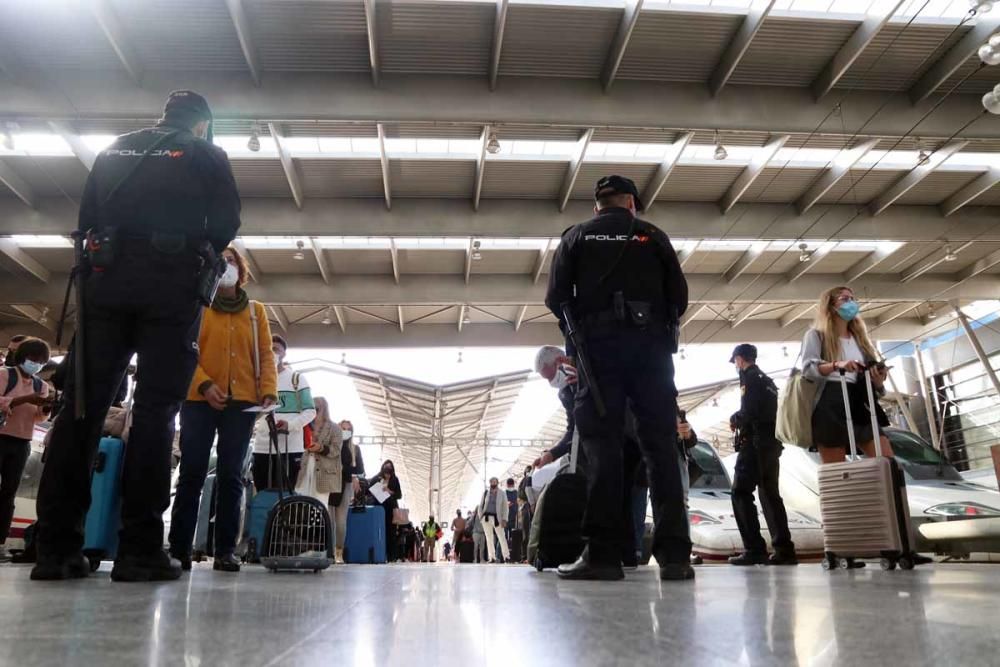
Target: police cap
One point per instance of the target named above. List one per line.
(745, 350)
(188, 102)
(618, 185)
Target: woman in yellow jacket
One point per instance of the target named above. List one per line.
(225, 384)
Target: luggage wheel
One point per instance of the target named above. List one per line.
(887, 564)
(849, 564)
(829, 562)
(906, 562)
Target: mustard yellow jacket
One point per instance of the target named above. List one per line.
(226, 355)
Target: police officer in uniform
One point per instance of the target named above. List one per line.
(159, 206)
(623, 283)
(757, 466)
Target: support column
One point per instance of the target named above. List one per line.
(925, 385)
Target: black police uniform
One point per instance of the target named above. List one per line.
(624, 282)
(146, 302)
(757, 466)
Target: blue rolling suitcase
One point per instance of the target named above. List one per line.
(260, 508)
(365, 539)
(104, 516)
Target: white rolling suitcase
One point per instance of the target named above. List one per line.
(863, 503)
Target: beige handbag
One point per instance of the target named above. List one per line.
(795, 409)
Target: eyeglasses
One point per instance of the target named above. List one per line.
(844, 298)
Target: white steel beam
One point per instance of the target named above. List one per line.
(107, 19)
(665, 168)
(851, 50)
(321, 261)
(980, 266)
(738, 47)
(461, 316)
(815, 258)
(37, 315)
(80, 149)
(573, 168)
(977, 346)
(693, 311)
(684, 256)
(841, 166)
(747, 313)
(915, 175)
(373, 57)
(242, 27)
(468, 260)
(758, 163)
(744, 261)
(928, 263)
(620, 43)
(394, 253)
(895, 313)
(252, 266)
(386, 172)
(288, 164)
(480, 168)
(16, 184)
(519, 320)
(953, 60)
(13, 252)
(796, 313)
(341, 320)
(867, 263)
(402, 320)
(977, 187)
(498, 29)
(543, 254)
(278, 313)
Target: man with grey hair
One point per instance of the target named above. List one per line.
(493, 510)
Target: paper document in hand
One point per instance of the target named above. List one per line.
(259, 408)
(380, 494)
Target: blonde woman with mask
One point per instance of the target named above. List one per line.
(338, 464)
(839, 341)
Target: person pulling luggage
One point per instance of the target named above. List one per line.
(757, 466)
(159, 207)
(618, 279)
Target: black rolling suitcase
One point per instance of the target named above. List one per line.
(557, 528)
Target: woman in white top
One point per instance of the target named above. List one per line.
(839, 340)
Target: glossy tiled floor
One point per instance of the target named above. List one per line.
(474, 616)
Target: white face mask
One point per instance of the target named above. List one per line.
(562, 377)
(230, 277)
(32, 367)
(348, 434)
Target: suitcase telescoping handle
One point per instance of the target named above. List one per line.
(847, 413)
(871, 408)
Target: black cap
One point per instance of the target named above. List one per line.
(745, 350)
(618, 185)
(187, 101)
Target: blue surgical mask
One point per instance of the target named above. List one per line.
(849, 310)
(32, 367)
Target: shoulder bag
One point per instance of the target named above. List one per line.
(795, 409)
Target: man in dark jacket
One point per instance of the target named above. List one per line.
(159, 206)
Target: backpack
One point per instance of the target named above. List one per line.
(12, 380)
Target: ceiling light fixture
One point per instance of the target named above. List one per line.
(343, 357)
(327, 319)
(254, 143)
(459, 356)
(931, 313)
(980, 6)
(476, 254)
(949, 254)
(720, 151)
(784, 351)
(299, 255)
(991, 100)
(989, 52)
(731, 314)
(804, 254)
(44, 319)
(683, 354)
(492, 144)
(924, 156)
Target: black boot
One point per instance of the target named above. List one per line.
(584, 570)
(748, 558)
(227, 563)
(157, 566)
(783, 558)
(58, 568)
(676, 572)
(183, 559)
